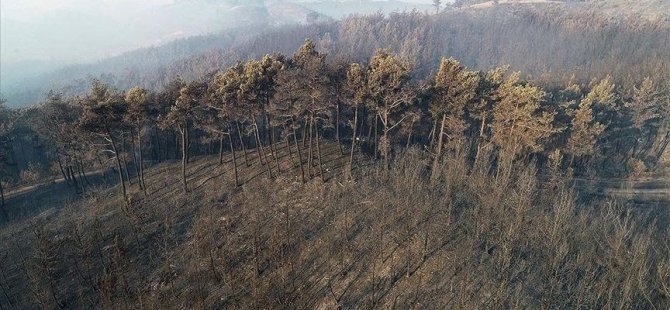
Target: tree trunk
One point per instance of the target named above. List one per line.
(481, 138)
(337, 127)
(310, 152)
(155, 146)
(232, 149)
(288, 147)
(261, 151)
(81, 178)
(438, 152)
(135, 161)
(273, 146)
(376, 142)
(184, 156)
(387, 142)
(244, 148)
(65, 176)
(2, 201)
(176, 145)
(304, 133)
(295, 140)
(118, 167)
(125, 163)
(318, 152)
(140, 162)
(353, 143)
(409, 135)
(83, 172)
(221, 147)
(431, 136)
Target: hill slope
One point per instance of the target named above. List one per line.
(385, 239)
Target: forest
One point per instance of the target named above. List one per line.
(550, 45)
(353, 172)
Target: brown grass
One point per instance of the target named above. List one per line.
(387, 239)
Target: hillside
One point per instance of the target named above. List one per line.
(552, 39)
(383, 240)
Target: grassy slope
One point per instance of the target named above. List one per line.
(393, 240)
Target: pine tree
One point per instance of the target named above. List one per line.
(584, 132)
(519, 123)
(226, 86)
(357, 94)
(181, 116)
(480, 108)
(455, 87)
(103, 115)
(312, 96)
(646, 115)
(139, 110)
(390, 94)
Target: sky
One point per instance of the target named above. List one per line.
(85, 30)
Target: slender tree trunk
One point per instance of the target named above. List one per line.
(60, 165)
(438, 152)
(257, 139)
(81, 178)
(244, 148)
(140, 161)
(318, 152)
(83, 172)
(353, 143)
(297, 146)
(409, 136)
(480, 140)
(304, 133)
(664, 146)
(337, 127)
(387, 142)
(184, 156)
(118, 167)
(288, 146)
(133, 147)
(176, 145)
(2, 201)
(232, 148)
(273, 146)
(376, 142)
(155, 145)
(431, 136)
(221, 147)
(261, 151)
(125, 163)
(310, 152)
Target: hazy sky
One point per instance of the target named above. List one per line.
(74, 31)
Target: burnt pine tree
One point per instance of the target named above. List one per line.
(181, 116)
(252, 95)
(289, 105)
(226, 86)
(57, 124)
(103, 114)
(312, 72)
(520, 125)
(139, 111)
(357, 93)
(390, 93)
(646, 113)
(455, 87)
(480, 109)
(584, 132)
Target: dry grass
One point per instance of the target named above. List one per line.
(388, 239)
